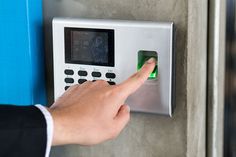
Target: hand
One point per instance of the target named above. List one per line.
(94, 112)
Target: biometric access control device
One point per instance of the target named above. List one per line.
(113, 50)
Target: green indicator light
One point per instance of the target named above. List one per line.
(143, 56)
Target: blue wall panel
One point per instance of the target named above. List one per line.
(22, 80)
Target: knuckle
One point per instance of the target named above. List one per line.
(76, 86)
(87, 83)
(133, 76)
(139, 78)
(114, 92)
(72, 87)
(103, 82)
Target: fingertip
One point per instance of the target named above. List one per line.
(149, 65)
(151, 60)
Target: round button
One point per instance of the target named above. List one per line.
(66, 87)
(82, 73)
(69, 72)
(111, 82)
(69, 80)
(96, 74)
(110, 75)
(81, 81)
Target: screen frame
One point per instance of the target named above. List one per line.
(68, 45)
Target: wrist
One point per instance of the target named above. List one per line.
(59, 130)
(64, 130)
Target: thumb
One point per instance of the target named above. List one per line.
(122, 117)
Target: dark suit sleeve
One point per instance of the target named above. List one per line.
(22, 132)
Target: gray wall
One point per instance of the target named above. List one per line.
(149, 135)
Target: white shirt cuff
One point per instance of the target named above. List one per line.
(50, 125)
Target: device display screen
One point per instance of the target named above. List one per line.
(89, 46)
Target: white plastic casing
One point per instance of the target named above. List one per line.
(155, 96)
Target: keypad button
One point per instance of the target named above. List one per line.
(110, 75)
(111, 82)
(96, 74)
(69, 72)
(82, 73)
(66, 87)
(69, 80)
(81, 81)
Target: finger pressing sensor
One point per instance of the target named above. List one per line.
(143, 57)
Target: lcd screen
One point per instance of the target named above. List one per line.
(89, 46)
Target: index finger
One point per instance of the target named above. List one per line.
(136, 80)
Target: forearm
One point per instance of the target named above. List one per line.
(21, 127)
